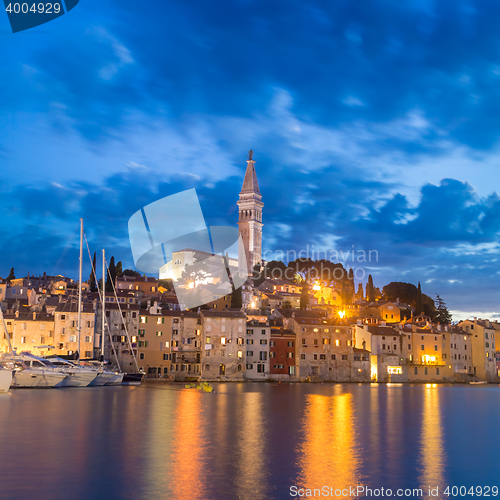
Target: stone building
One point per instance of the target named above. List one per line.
(257, 343)
(154, 344)
(187, 338)
(223, 349)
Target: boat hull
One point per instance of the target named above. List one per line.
(132, 379)
(5, 380)
(35, 379)
(103, 378)
(116, 379)
(79, 379)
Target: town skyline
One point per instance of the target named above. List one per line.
(393, 150)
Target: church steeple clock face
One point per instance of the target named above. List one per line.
(250, 216)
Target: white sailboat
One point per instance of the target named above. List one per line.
(31, 371)
(5, 379)
(78, 376)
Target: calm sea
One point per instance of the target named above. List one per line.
(247, 441)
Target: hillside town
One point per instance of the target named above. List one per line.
(293, 325)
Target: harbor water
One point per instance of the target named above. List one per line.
(248, 441)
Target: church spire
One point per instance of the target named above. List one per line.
(250, 182)
(250, 217)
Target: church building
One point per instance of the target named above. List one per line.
(250, 217)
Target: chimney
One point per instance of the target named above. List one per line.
(413, 328)
(487, 323)
(383, 323)
(34, 316)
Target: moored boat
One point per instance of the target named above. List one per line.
(6, 376)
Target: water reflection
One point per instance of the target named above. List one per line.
(328, 455)
(432, 452)
(188, 475)
(251, 467)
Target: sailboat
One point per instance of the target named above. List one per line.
(5, 379)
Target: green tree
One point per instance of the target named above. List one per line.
(442, 314)
(370, 289)
(304, 295)
(119, 269)
(131, 272)
(360, 294)
(419, 304)
(11, 276)
(92, 283)
(111, 275)
(236, 299)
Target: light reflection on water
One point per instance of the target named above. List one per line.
(328, 455)
(248, 441)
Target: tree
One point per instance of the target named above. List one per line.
(304, 296)
(111, 276)
(11, 276)
(168, 284)
(236, 299)
(92, 283)
(370, 289)
(131, 272)
(442, 314)
(286, 305)
(419, 305)
(360, 294)
(119, 269)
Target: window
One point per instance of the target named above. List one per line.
(289, 344)
(263, 342)
(72, 338)
(272, 343)
(416, 371)
(88, 339)
(302, 356)
(303, 341)
(263, 332)
(260, 368)
(337, 343)
(144, 319)
(250, 366)
(426, 370)
(160, 321)
(422, 347)
(315, 356)
(263, 356)
(240, 341)
(223, 340)
(326, 341)
(23, 340)
(435, 347)
(249, 341)
(272, 354)
(175, 332)
(159, 334)
(249, 353)
(63, 317)
(409, 347)
(395, 347)
(348, 343)
(315, 341)
(141, 355)
(208, 340)
(344, 357)
(334, 357)
(383, 346)
(249, 331)
(321, 356)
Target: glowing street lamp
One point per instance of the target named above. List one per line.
(341, 314)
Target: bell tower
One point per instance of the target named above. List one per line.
(250, 216)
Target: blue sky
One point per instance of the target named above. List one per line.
(374, 124)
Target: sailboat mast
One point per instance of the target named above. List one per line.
(103, 319)
(80, 290)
